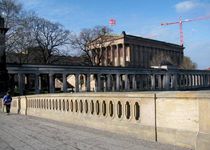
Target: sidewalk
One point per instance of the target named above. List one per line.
(30, 133)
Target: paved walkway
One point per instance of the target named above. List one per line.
(19, 132)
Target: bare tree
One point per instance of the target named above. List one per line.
(10, 10)
(187, 63)
(50, 37)
(162, 58)
(92, 43)
(21, 39)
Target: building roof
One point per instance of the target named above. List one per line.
(132, 39)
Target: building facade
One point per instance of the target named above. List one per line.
(132, 51)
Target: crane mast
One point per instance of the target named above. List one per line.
(180, 22)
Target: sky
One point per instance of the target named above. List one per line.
(136, 17)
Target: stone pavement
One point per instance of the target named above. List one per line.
(18, 132)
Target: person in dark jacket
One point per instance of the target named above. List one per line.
(7, 100)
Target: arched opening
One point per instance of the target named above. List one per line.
(104, 108)
(136, 111)
(119, 109)
(111, 109)
(127, 110)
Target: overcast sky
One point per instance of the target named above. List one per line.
(136, 17)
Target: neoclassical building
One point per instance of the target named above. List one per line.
(133, 51)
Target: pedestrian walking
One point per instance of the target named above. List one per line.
(7, 100)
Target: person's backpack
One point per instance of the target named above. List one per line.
(7, 99)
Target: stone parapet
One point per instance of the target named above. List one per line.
(177, 118)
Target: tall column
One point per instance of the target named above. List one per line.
(112, 55)
(37, 91)
(105, 56)
(20, 83)
(131, 54)
(124, 55)
(77, 82)
(117, 82)
(64, 83)
(117, 55)
(52, 83)
(87, 82)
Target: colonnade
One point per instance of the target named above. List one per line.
(135, 55)
(106, 80)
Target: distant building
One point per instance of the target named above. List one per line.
(133, 51)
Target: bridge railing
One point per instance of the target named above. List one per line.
(177, 118)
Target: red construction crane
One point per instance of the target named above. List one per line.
(180, 22)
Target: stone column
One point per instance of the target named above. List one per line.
(196, 80)
(52, 83)
(108, 82)
(190, 80)
(117, 82)
(40, 82)
(37, 91)
(205, 80)
(87, 82)
(126, 82)
(153, 82)
(112, 55)
(166, 81)
(193, 80)
(64, 83)
(124, 55)
(98, 83)
(105, 56)
(131, 54)
(159, 82)
(133, 82)
(174, 82)
(77, 82)
(20, 83)
(117, 56)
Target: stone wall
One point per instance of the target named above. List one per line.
(177, 118)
